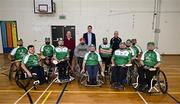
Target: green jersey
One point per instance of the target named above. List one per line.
(105, 47)
(31, 60)
(131, 51)
(150, 58)
(19, 53)
(121, 57)
(61, 53)
(47, 50)
(92, 58)
(137, 50)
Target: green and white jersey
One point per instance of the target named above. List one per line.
(19, 53)
(131, 51)
(92, 58)
(31, 60)
(137, 49)
(150, 58)
(47, 50)
(105, 47)
(121, 57)
(61, 53)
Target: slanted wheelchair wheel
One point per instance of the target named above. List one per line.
(162, 82)
(134, 75)
(51, 73)
(83, 79)
(21, 80)
(12, 71)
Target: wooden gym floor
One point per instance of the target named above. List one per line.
(78, 94)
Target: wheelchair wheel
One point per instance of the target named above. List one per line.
(134, 75)
(12, 71)
(83, 79)
(51, 73)
(21, 79)
(162, 81)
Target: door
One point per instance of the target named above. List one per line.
(60, 32)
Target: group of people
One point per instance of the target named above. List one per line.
(115, 54)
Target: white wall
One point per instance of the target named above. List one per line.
(105, 16)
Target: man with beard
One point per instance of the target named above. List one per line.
(105, 51)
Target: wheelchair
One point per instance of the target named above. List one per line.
(66, 77)
(23, 81)
(84, 80)
(159, 83)
(77, 69)
(128, 78)
(49, 68)
(13, 68)
(132, 72)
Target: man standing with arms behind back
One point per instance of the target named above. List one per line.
(115, 41)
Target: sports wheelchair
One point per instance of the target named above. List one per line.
(60, 74)
(159, 81)
(13, 68)
(23, 81)
(85, 78)
(126, 80)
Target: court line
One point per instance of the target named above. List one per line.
(60, 96)
(46, 97)
(7, 91)
(23, 95)
(145, 102)
(44, 92)
(175, 99)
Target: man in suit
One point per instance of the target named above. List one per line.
(90, 37)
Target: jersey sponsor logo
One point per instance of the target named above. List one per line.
(121, 53)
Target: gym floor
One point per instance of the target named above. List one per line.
(77, 94)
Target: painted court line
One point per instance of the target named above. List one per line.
(44, 92)
(46, 97)
(23, 95)
(55, 91)
(61, 94)
(145, 102)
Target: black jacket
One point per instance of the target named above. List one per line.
(93, 39)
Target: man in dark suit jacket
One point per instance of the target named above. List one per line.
(90, 38)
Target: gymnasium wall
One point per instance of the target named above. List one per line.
(132, 18)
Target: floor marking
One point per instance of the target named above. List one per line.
(44, 92)
(107, 92)
(145, 102)
(174, 98)
(46, 97)
(23, 95)
(55, 91)
(61, 94)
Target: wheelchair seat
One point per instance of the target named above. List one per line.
(84, 80)
(67, 77)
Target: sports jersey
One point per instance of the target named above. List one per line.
(131, 51)
(105, 47)
(47, 50)
(92, 58)
(61, 53)
(31, 60)
(121, 57)
(150, 58)
(137, 50)
(19, 53)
